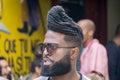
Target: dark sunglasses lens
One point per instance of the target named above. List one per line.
(51, 47)
(40, 48)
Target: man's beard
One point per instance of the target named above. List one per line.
(58, 68)
(9, 77)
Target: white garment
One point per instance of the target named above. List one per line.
(2, 78)
(41, 78)
(46, 78)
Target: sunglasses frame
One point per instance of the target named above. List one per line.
(50, 47)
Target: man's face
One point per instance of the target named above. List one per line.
(58, 62)
(85, 30)
(6, 70)
(38, 70)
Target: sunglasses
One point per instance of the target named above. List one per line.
(50, 47)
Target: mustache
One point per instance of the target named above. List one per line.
(48, 58)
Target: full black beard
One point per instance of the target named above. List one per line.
(58, 68)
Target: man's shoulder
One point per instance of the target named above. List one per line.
(111, 44)
(97, 45)
(46, 78)
(42, 78)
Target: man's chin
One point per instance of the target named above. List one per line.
(57, 68)
(56, 71)
(45, 70)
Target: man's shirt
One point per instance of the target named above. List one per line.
(94, 58)
(83, 77)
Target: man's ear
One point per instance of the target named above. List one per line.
(91, 33)
(74, 53)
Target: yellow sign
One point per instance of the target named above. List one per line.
(17, 45)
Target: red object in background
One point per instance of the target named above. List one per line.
(54, 2)
(96, 10)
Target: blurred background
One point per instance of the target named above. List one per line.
(23, 25)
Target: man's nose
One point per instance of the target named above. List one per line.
(45, 52)
(9, 69)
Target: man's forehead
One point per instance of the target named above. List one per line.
(3, 62)
(52, 36)
(53, 32)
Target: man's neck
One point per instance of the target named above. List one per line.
(85, 44)
(35, 75)
(117, 41)
(70, 76)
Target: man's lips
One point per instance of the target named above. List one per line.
(47, 61)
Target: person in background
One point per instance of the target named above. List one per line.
(5, 70)
(94, 61)
(61, 47)
(35, 70)
(113, 52)
(33, 11)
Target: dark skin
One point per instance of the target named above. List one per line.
(52, 37)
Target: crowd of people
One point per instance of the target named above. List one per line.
(64, 41)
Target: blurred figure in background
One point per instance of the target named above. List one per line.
(94, 57)
(33, 13)
(5, 70)
(113, 52)
(35, 70)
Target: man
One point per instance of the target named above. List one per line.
(61, 47)
(35, 70)
(113, 52)
(94, 56)
(5, 70)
